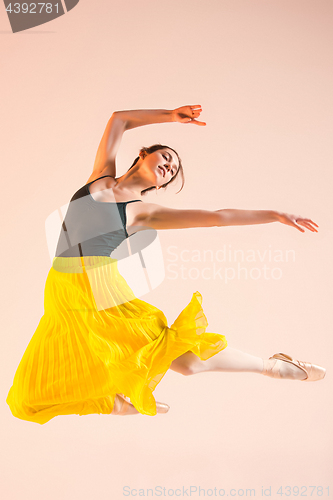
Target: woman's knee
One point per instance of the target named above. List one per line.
(189, 370)
(187, 364)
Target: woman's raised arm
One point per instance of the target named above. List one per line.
(120, 121)
(140, 117)
(105, 161)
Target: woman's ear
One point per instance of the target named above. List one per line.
(143, 154)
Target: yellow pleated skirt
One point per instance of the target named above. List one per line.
(96, 339)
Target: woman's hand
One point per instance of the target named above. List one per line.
(296, 221)
(187, 114)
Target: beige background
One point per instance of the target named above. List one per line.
(262, 71)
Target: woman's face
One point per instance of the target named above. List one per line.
(161, 165)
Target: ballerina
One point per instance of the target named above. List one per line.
(89, 358)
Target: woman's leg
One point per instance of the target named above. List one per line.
(231, 360)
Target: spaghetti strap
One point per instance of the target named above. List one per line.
(88, 183)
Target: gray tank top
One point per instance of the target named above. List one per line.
(91, 227)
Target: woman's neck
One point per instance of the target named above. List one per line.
(132, 183)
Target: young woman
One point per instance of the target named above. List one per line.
(99, 349)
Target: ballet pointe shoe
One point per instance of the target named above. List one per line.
(313, 372)
(123, 406)
(162, 407)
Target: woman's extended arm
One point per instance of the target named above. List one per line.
(158, 217)
(235, 217)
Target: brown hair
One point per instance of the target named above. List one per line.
(152, 149)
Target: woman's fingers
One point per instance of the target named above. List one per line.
(195, 110)
(197, 122)
(295, 224)
(298, 221)
(188, 114)
(191, 109)
(303, 222)
(192, 120)
(309, 220)
(306, 225)
(195, 114)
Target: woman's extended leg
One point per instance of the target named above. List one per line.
(231, 360)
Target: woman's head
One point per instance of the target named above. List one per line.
(162, 160)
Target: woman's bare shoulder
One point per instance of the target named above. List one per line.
(96, 175)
